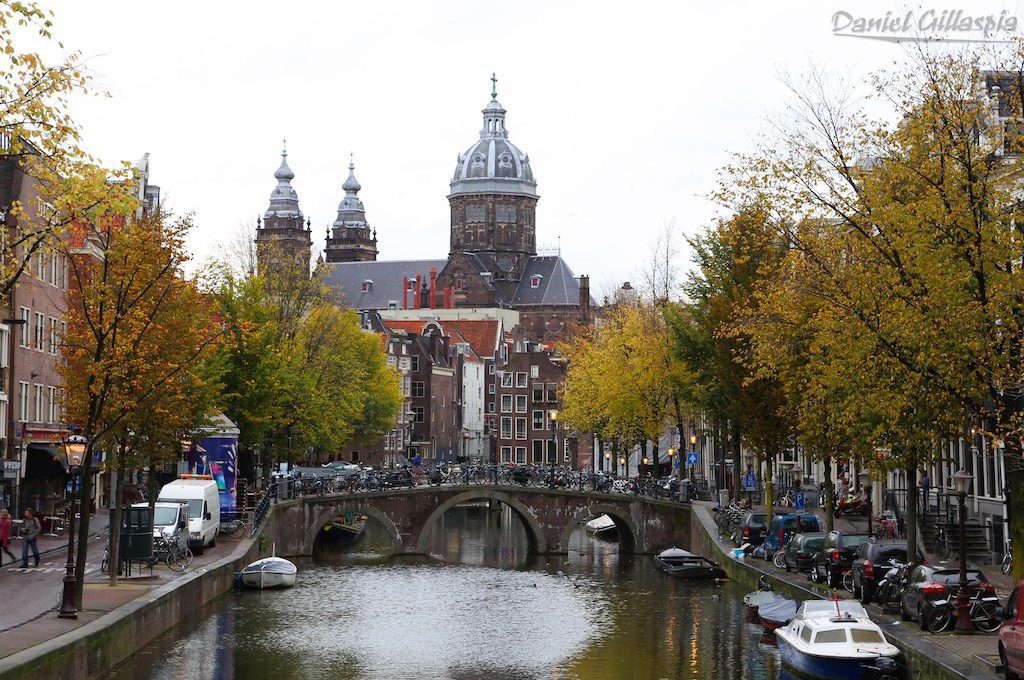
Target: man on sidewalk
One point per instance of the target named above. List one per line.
(30, 530)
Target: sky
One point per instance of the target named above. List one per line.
(627, 110)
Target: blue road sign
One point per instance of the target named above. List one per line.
(750, 482)
(798, 500)
(691, 459)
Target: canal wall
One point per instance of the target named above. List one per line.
(93, 649)
(925, 660)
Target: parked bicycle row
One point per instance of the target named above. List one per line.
(357, 479)
(873, 569)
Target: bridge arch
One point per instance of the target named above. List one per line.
(629, 532)
(323, 516)
(534, 533)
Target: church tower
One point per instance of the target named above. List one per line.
(493, 201)
(282, 238)
(350, 238)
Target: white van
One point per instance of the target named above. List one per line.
(169, 520)
(203, 499)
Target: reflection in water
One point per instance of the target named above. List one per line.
(479, 607)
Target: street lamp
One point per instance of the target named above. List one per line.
(607, 461)
(74, 453)
(963, 605)
(671, 461)
(693, 448)
(553, 414)
(410, 418)
(622, 466)
(865, 482)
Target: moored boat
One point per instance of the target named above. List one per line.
(348, 526)
(835, 640)
(601, 526)
(752, 602)
(777, 612)
(684, 564)
(270, 572)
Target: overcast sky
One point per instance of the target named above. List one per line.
(626, 109)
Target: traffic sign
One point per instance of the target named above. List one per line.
(691, 459)
(750, 482)
(798, 500)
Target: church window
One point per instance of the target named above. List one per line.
(505, 213)
(475, 213)
(460, 282)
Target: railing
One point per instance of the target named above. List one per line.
(260, 514)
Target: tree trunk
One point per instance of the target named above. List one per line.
(654, 457)
(615, 457)
(600, 454)
(84, 505)
(769, 488)
(830, 493)
(911, 519)
(116, 491)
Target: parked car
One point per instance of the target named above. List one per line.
(784, 527)
(751, 529)
(928, 582)
(836, 556)
(1011, 636)
(801, 549)
(872, 561)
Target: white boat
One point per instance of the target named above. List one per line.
(270, 572)
(601, 525)
(832, 640)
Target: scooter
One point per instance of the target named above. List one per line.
(891, 587)
(857, 506)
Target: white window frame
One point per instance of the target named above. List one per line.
(534, 371)
(51, 399)
(506, 454)
(521, 455)
(53, 335)
(506, 379)
(23, 401)
(26, 328)
(542, 418)
(506, 428)
(40, 331)
(520, 379)
(506, 403)
(39, 402)
(520, 403)
(521, 432)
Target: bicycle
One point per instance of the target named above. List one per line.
(1007, 565)
(237, 527)
(176, 557)
(984, 612)
(105, 562)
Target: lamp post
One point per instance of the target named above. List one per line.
(622, 466)
(865, 482)
(963, 605)
(671, 461)
(647, 464)
(553, 414)
(410, 418)
(607, 461)
(693, 448)
(74, 452)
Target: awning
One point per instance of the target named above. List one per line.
(45, 462)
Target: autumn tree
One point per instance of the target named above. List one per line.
(137, 333)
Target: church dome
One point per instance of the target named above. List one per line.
(493, 164)
(284, 201)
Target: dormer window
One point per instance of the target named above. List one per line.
(535, 281)
(410, 284)
(364, 287)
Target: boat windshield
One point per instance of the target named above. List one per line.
(866, 635)
(811, 609)
(830, 636)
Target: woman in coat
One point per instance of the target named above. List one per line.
(6, 528)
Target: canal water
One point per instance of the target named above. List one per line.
(479, 607)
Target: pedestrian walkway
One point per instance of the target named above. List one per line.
(49, 544)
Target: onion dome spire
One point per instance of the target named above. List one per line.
(284, 202)
(351, 212)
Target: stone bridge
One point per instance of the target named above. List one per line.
(549, 516)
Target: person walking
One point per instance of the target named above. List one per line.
(6, 527)
(30, 530)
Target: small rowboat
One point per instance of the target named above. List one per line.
(777, 613)
(270, 572)
(684, 564)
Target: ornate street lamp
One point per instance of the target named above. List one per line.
(693, 447)
(865, 483)
(607, 461)
(622, 466)
(671, 461)
(553, 414)
(963, 604)
(74, 453)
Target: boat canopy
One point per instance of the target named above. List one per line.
(675, 552)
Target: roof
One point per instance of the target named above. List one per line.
(387, 280)
(557, 285)
(481, 334)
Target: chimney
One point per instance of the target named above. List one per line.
(447, 297)
(416, 295)
(405, 292)
(433, 287)
(424, 294)
(585, 299)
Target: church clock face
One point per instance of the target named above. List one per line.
(506, 262)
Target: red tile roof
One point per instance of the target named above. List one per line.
(481, 334)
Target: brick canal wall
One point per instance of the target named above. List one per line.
(925, 660)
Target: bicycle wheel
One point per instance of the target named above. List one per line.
(1007, 563)
(848, 581)
(172, 562)
(238, 530)
(937, 619)
(780, 559)
(984, 616)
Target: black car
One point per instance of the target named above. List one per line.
(930, 582)
(751, 529)
(872, 562)
(802, 548)
(836, 556)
